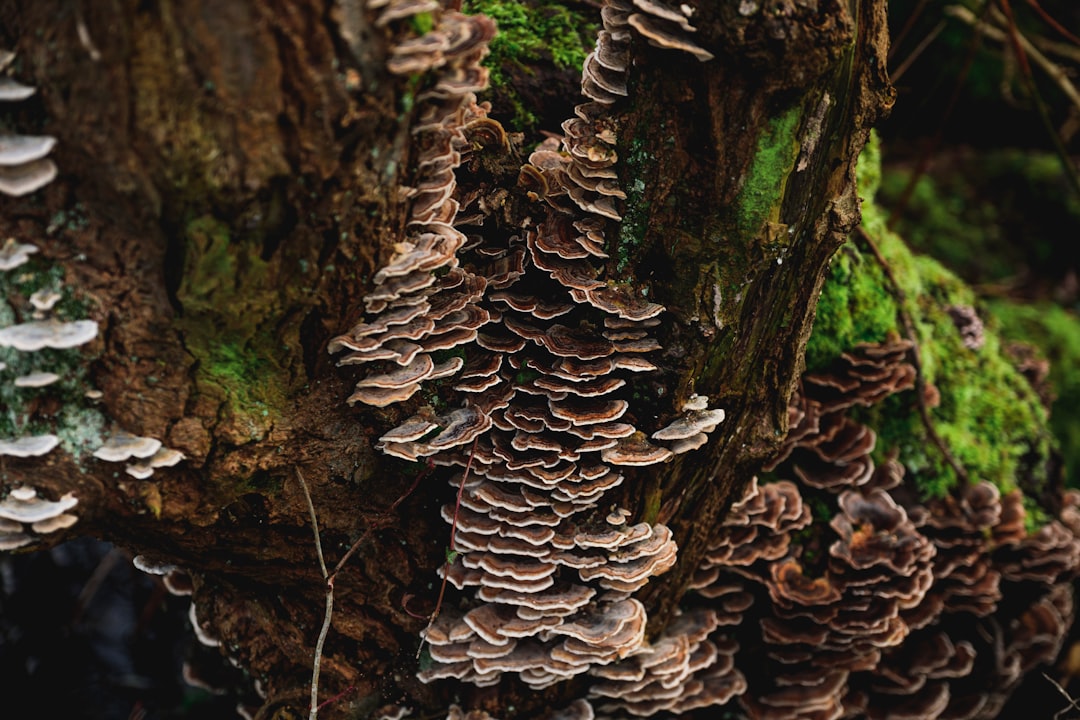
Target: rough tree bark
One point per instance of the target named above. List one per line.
(229, 183)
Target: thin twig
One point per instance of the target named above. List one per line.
(329, 578)
(1049, 20)
(895, 75)
(909, 25)
(1054, 71)
(315, 665)
(94, 583)
(343, 693)
(930, 150)
(1072, 701)
(920, 377)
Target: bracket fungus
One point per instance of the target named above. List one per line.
(14, 253)
(24, 166)
(550, 350)
(39, 334)
(25, 516)
(897, 607)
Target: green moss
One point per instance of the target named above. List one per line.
(529, 33)
(1056, 332)
(226, 294)
(855, 307)
(759, 200)
(988, 416)
(422, 23)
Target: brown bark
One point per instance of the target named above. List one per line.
(235, 165)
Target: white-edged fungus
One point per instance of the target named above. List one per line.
(25, 179)
(39, 334)
(23, 505)
(28, 446)
(58, 522)
(20, 149)
(122, 446)
(13, 91)
(139, 471)
(151, 566)
(45, 299)
(200, 632)
(36, 379)
(14, 253)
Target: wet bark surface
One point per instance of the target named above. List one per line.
(234, 167)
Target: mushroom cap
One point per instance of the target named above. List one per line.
(13, 91)
(690, 424)
(58, 522)
(636, 451)
(666, 35)
(36, 379)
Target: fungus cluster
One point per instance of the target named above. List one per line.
(24, 165)
(541, 349)
(25, 516)
(147, 454)
(898, 607)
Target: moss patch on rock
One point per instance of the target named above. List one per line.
(985, 410)
(226, 295)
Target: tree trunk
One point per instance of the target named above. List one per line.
(230, 177)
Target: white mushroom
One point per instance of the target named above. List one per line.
(20, 149)
(14, 253)
(28, 446)
(34, 509)
(39, 334)
(45, 299)
(12, 91)
(139, 471)
(25, 179)
(122, 446)
(60, 522)
(36, 379)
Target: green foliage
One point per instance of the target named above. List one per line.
(990, 215)
(855, 307)
(635, 221)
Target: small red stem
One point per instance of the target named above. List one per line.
(343, 693)
(453, 532)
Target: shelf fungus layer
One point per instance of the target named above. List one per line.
(896, 607)
(541, 349)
